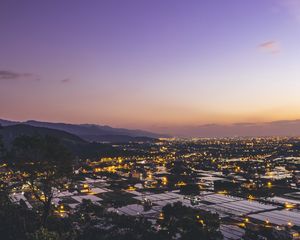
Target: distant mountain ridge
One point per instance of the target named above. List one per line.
(92, 132)
(77, 146)
(11, 132)
(98, 133)
(289, 128)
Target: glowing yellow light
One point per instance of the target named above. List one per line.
(42, 197)
(61, 210)
(180, 184)
(131, 188)
(237, 169)
(295, 235)
(250, 197)
(201, 221)
(289, 205)
(223, 192)
(164, 180)
(267, 221)
(242, 225)
(84, 190)
(111, 169)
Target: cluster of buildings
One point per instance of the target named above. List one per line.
(250, 183)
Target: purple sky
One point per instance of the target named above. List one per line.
(150, 64)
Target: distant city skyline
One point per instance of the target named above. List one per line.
(153, 65)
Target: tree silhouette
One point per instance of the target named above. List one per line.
(3, 182)
(188, 223)
(180, 172)
(1, 145)
(16, 221)
(98, 224)
(44, 234)
(42, 164)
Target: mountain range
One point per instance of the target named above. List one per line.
(10, 133)
(289, 128)
(99, 133)
(76, 145)
(91, 132)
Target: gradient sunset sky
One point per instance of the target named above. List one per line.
(150, 63)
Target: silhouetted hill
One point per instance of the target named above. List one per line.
(91, 132)
(75, 144)
(10, 133)
(5, 123)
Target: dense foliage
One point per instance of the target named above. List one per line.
(43, 165)
(93, 222)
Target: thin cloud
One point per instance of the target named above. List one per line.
(270, 47)
(12, 76)
(66, 80)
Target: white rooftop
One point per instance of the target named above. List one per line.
(86, 197)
